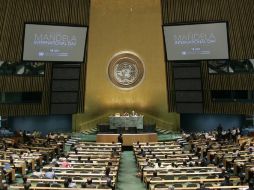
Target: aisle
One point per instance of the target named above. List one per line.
(127, 179)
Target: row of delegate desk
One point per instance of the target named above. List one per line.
(23, 158)
(236, 156)
(80, 170)
(180, 177)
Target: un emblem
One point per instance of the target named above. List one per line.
(125, 70)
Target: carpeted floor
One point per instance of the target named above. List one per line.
(127, 179)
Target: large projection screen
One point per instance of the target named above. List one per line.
(196, 41)
(54, 43)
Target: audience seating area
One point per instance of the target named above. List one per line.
(191, 162)
(197, 164)
(43, 164)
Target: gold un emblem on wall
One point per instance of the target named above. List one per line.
(126, 70)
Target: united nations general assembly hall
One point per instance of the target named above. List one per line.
(126, 94)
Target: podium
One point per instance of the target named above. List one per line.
(126, 123)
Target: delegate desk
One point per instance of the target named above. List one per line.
(215, 181)
(20, 187)
(128, 139)
(213, 187)
(126, 122)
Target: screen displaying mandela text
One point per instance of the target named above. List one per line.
(54, 43)
(196, 41)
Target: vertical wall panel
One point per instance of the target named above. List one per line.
(13, 15)
(240, 18)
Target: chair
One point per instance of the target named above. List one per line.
(210, 177)
(163, 172)
(55, 185)
(182, 177)
(95, 178)
(195, 178)
(208, 185)
(70, 172)
(104, 178)
(42, 184)
(190, 171)
(155, 178)
(97, 171)
(178, 185)
(160, 186)
(64, 177)
(26, 186)
(77, 178)
(168, 177)
(103, 186)
(97, 167)
(34, 176)
(192, 185)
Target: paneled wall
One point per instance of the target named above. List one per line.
(43, 124)
(240, 18)
(209, 122)
(116, 27)
(13, 15)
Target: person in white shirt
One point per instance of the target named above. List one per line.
(15, 156)
(71, 184)
(50, 174)
(68, 183)
(233, 132)
(38, 172)
(234, 135)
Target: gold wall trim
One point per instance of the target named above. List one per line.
(148, 119)
(169, 125)
(126, 26)
(83, 126)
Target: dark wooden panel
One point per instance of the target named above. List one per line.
(189, 96)
(189, 107)
(13, 15)
(81, 96)
(70, 73)
(238, 14)
(188, 84)
(186, 73)
(61, 109)
(63, 97)
(170, 88)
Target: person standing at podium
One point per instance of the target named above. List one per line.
(120, 138)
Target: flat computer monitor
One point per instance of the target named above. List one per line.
(207, 41)
(54, 43)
